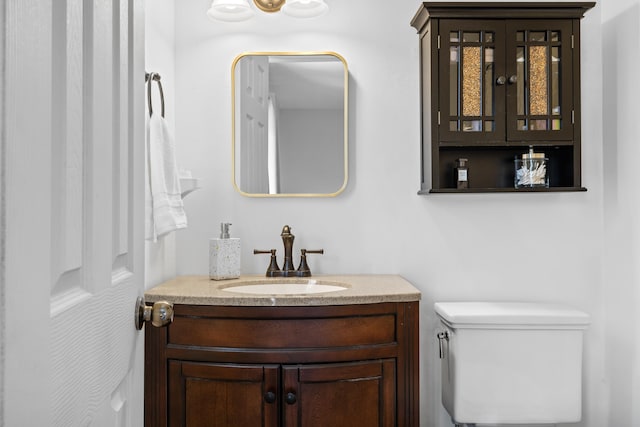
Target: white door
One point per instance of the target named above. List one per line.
(72, 212)
(254, 98)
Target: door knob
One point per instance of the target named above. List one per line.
(513, 79)
(501, 80)
(159, 314)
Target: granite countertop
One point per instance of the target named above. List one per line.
(361, 289)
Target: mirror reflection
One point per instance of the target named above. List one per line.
(290, 124)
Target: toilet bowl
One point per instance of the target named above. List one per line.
(511, 363)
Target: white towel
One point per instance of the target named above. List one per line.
(164, 208)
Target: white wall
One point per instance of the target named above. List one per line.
(530, 247)
(160, 260)
(621, 150)
(311, 150)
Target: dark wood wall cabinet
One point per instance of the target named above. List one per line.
(350, 365)
(499, 79)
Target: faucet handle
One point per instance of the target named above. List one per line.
(313, 251)
(273, 270)
(303, 269)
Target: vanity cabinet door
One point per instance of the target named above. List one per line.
(221, 395)
(359, 394)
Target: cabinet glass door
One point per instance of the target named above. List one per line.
(538, 60)
(471, 81)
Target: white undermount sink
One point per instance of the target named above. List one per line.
(284, 288)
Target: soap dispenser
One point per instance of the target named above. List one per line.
(224, 255)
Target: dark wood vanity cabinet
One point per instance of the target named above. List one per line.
(351, 365)
(496, 80)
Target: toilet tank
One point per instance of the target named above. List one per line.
(511, 363)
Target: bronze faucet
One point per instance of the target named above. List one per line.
(288, 270)
(287, 239)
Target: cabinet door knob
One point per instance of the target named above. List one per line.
(270, 397)
(291, 398)
(501, 80)
(513, 79)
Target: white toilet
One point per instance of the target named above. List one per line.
(511, 363)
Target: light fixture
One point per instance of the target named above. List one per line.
(305, 8)
(239, 10)
(230, 10)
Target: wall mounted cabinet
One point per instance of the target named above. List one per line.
(497, 79)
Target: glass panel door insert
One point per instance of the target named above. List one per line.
(470, 77)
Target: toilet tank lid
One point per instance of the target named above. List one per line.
(511, 314)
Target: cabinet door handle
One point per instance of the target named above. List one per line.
(501, 80)
(270, 397)
(513, 79)
(291, 398)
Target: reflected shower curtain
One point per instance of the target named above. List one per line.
(272, 146)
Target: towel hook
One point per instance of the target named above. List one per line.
(149, 78)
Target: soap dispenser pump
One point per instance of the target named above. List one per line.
(224, 255)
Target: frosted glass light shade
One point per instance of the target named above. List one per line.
(230, 10)
(304, 8)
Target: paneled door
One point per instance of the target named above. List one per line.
(71, 212)
(253, 84)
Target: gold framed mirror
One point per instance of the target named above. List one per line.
(290, 124)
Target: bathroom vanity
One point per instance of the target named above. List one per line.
(341, 358)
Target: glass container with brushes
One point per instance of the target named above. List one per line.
(531, 170)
